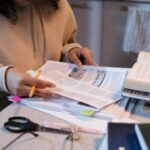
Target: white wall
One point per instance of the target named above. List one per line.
(89, 16)
(114, 24)
(102, 27)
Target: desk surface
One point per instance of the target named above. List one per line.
(45, 141)
(49, 141)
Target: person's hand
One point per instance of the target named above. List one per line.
(20, 84)
(81, 56)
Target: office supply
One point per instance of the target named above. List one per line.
(110, 78)
(76, 110)
(68, 127)
(72, 112)
(39, 72)
(14, 98)
(122, 135)
(23, 125)
(61, 106)
(137, 83)
(19, 124)
(143, 135)
(45, 140)
(96, 86)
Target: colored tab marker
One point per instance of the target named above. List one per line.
(87, 112)
(15, 98)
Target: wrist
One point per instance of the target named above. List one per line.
(5, 77)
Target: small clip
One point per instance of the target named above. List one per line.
(75, 135)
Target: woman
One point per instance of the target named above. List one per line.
(32, 32)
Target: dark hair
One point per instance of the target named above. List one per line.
(9, 8)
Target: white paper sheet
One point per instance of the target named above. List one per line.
(100, 83)
(101, 90)
(87, 124)
(109, 78)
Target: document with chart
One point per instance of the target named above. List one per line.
(95, 86)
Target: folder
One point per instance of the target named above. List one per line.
(122, 136)
(143, 135)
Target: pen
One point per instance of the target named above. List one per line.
(33, 87)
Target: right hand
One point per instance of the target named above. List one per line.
(20, 84)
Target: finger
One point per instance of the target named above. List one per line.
(89, 57)
(45, 93)
(74, 58)
(43, 84)
(40, 92)
(90, 61)
(22, 91)
(38, 82)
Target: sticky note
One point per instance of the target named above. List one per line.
(87, 112)
(15, 98)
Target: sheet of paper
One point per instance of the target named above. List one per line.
(59, 104)
(69, 111)
(88, 124)
(96, 96)
(117, 110)
(109, 78)
(96, 86)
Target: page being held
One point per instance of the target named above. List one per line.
(20, 84)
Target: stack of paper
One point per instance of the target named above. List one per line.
(97, 88)
(102, 88)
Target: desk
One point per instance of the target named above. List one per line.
(48, 141)
(45, 141)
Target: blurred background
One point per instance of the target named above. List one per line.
(103, 26)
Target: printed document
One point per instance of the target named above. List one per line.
(70, 111)
(95, 86)
(109, 78)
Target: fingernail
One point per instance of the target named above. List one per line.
(52, 95)
(80, 66)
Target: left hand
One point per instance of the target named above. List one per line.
(20, 84)
(76, 53)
